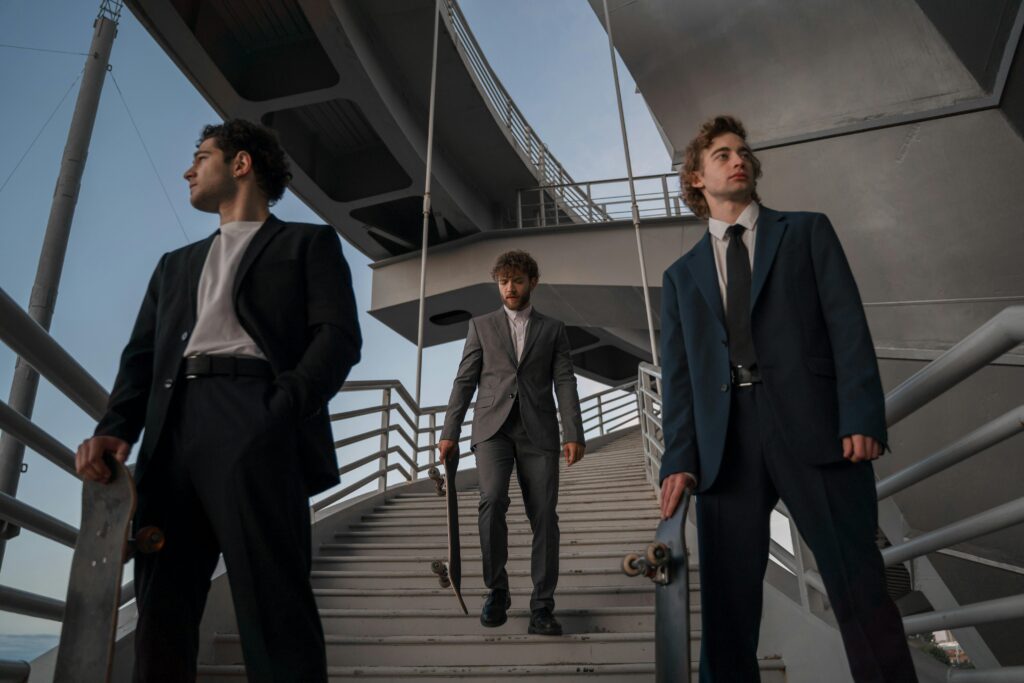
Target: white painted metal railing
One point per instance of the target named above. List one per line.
(564, 193)
(998, 336)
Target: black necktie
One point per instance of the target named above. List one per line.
(737, 315)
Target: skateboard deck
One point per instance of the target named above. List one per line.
(449, 573)
(86, 649)
(666, 563)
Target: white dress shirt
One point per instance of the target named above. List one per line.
(217, 331)
(518, 321)
(720, 243)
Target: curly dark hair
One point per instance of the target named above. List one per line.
(268, 160)
(709, 130)
(513, 261)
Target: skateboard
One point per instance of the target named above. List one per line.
(665, 562)
(449, 573)
(86, 649)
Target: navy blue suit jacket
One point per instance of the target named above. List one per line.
(813, 346)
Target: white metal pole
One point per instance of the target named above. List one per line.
(426, 210)
(632, 189)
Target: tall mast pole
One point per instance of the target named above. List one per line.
(58, 228)
(426, 211)
(632, 189)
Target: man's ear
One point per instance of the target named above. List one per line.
(241, 165)
(695, 179)
(533, 282)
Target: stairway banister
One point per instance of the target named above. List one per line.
(997, 336)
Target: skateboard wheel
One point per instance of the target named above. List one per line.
(150, 539)
(434, 473)
(437, 566)
(630, 565)
(657, 554)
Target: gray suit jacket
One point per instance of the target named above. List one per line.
(489, 361)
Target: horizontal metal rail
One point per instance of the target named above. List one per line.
(30, 604)
(975, 614)
(996, 431)
(35, 346)
(27, 517)
(1006, 674)
(25, 431)
(965, 529)
(978, 349)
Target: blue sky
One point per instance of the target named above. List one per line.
(560, 78)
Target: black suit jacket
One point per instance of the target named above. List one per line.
(813, 347)
(293, 296)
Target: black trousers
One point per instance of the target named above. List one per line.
(537, 471)
(836, 511)
(225, 479)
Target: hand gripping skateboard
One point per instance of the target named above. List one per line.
(449, 574)
(665, 563)
(86, 649)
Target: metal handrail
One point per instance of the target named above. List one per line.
(999, 335)
(504, 109)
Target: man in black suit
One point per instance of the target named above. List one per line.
(241, 341)
(771, 389)
(515, 356)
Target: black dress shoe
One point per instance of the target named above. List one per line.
(495, 611)
(543, 623)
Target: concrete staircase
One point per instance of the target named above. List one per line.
(386, 618)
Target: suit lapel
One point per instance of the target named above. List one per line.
(260, 240)
(196, 261)
(771, 228)
(705, 274)
(532, 331)
(501, 327)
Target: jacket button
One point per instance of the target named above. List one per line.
(725, 387)
(725, 342)
(511, 395)
(168, 383)
(184, 336)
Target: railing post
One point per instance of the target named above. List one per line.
(385, 424)
(519, 209)
(664, 191)
(433, 434)
(590, 206)
(542, 201)
(600, 416)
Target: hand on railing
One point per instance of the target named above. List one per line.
(446, 447)
(672, 491)
(89, 458)
(573, 452)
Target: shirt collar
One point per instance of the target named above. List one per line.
(520, 314)
(748, 219)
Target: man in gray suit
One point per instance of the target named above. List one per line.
(514, 355)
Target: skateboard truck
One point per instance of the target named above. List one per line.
(435, 476)
(440, 567)
(654, 564)
(148, 540)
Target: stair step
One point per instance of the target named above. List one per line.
(471, 544)
(569, 528)
(451, 620)
(469, 515)
(417, 507)
(772, 671)
(568, 597)
(516, 560)
(472, 577)
(500, 646)
(601, 520)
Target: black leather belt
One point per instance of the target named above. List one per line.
(744, 377)
(230, 366)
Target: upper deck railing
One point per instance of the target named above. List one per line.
(547, 169)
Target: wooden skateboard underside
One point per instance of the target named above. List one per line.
(450, 572)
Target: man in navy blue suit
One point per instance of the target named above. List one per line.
(771, 389)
